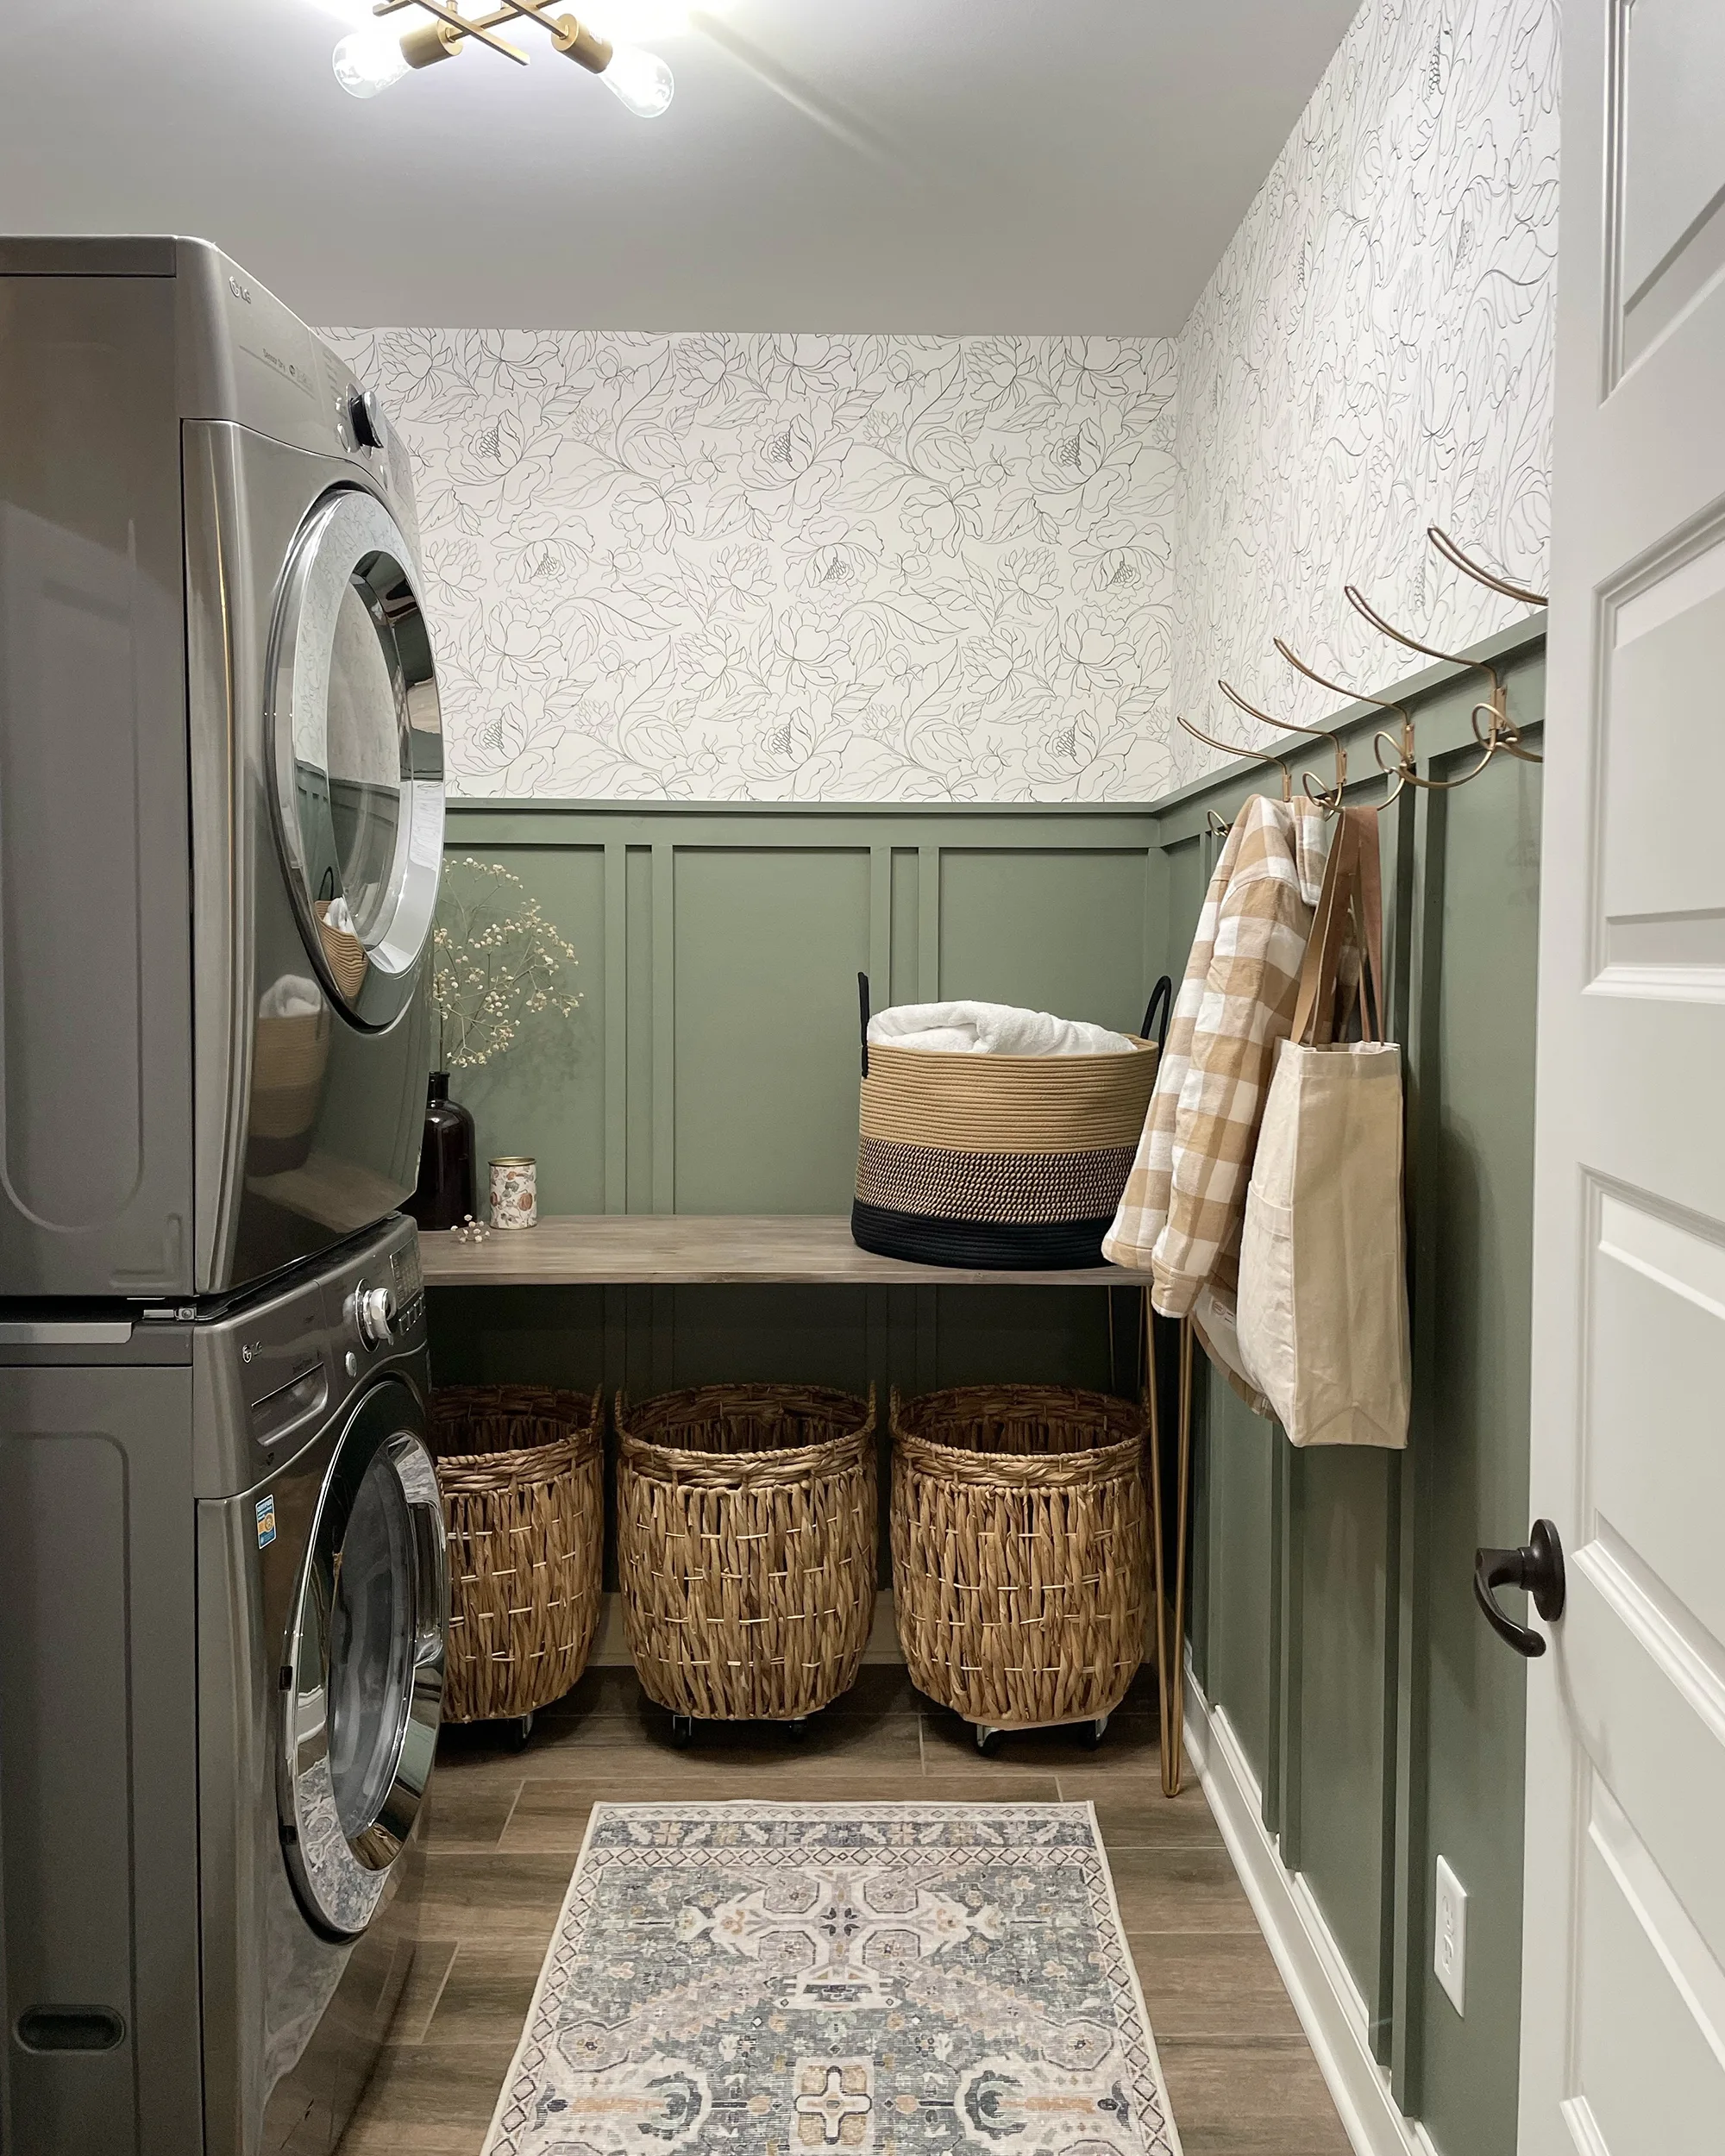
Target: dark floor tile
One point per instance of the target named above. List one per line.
(1185, 1888)
(485, 1998)
(1133, 1816)
(431, 1961)
(1210, 1984)
(469, 1811)
(1265, 2099)
(444, 2088)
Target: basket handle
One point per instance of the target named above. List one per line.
(1162, 994)
(863, 1005)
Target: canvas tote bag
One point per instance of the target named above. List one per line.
(1323, 1299)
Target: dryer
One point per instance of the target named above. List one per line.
(222, 1598)
(220, 781)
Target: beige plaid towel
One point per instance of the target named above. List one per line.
(1184, 1200)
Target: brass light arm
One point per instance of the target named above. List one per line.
(458, 22)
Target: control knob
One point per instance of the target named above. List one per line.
(374, 1314)
(365, 419)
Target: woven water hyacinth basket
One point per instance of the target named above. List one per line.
(520, 1471)
(1021, 1546)
(747, 1537)
(1014, 1162)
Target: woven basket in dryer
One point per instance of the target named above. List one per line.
(1011, 1163)
(520, 1471)
(1021, 1546)
(747, 1541)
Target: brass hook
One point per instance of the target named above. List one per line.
(1329, 798)
(1232, 749)
(1403, 754)
(1500, 732)
(1453, 555)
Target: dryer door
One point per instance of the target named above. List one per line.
(358, 746)
(365, 1690)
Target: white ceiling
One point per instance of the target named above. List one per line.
(1036, 166)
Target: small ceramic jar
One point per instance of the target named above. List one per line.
(514, 1193)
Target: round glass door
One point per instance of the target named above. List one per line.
(367, 1662)
(358, 745)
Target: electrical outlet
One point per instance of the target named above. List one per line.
(1449, 1955)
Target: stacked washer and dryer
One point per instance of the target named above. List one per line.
(222, 1590)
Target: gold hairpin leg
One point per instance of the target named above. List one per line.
(1170, 1621)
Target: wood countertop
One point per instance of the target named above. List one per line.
(666, 1250)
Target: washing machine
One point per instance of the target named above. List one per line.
(222, 1600)
(220, 781)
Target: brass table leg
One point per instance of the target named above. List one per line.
(1171, 1624)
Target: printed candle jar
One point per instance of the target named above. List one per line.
(514, 1193)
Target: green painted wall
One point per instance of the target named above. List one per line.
(712, 1067)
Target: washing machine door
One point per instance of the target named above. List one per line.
(358, 748)
(364, 1689)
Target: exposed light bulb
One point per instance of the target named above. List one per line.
(366, 61)
(640, 80)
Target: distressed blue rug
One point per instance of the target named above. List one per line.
(769, 1979)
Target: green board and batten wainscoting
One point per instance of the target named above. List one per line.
(1357, 1717)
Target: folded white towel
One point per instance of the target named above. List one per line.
(992, 1028)
(291, 997)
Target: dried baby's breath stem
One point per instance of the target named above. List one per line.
(498, 964)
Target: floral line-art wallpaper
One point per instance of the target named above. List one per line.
(995, 568)
(1373, 355)
(793, 567)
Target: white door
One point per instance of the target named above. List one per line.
(1623, 2014)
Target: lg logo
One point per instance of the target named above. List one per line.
(240, 291)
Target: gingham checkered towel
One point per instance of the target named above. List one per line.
(1185, 1196)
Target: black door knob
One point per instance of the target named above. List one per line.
(1539, 1568)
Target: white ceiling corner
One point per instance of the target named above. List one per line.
(888, 165)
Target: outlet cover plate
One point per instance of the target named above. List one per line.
(1449, 1951)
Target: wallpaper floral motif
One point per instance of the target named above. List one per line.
(1372, 355)
(854, 568)
(793, 567)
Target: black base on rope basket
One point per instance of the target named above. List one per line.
(683, 1728)
(1008, 1246)
(1090, 1735)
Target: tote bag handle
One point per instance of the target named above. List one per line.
(1352, 892)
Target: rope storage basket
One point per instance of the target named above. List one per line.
(520, 1471)
(747, 1534)
(1021, 1545)
(1014, 1162)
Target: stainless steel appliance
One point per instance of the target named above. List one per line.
(221, 780)
(221, 1608)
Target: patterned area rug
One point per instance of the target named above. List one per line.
(768, 1979)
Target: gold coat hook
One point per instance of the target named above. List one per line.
(1329, 798)
(1233, 749)
(1499, 733)
(1457, 558)
(1403, 751)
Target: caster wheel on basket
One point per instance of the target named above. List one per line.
(682, 1731)
(1090, 1733)
(989, 1740)
(798, 1729)
(520, 1729)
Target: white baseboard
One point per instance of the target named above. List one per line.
(1325, 1996)
(610, 1649)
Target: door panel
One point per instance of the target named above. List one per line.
(1623, 2028)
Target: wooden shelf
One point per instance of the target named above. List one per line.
(627, 1249)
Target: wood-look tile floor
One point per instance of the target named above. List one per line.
(506, 1825)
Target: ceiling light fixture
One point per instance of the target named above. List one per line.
(370, 60)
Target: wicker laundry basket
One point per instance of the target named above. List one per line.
(521, 1470)
(747, 1538)
(1014, 1162)
(1021, 1546)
